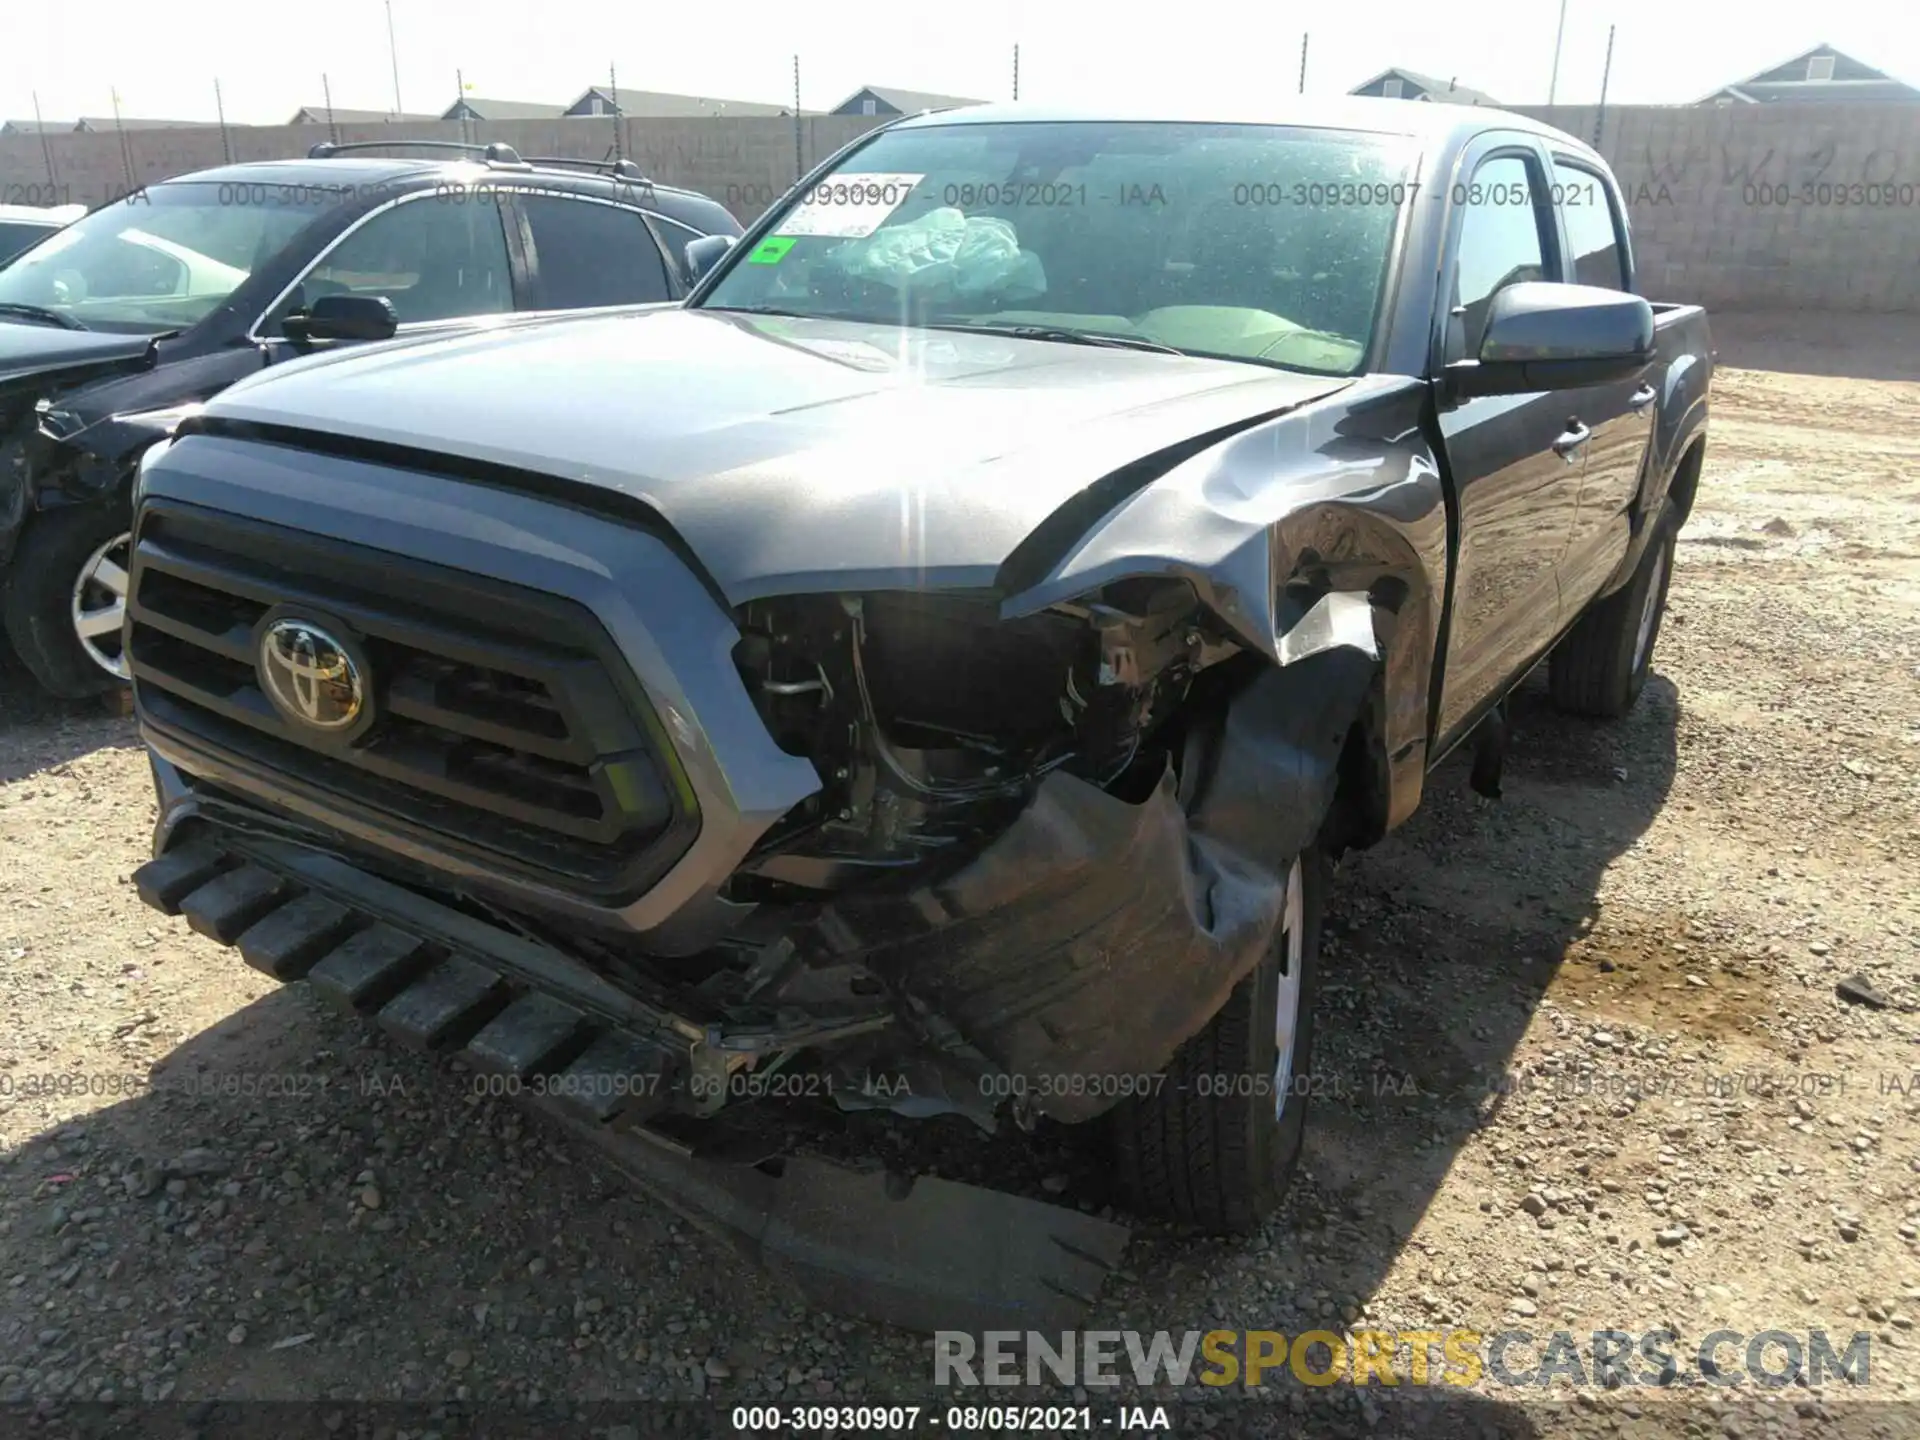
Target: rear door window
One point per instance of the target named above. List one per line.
(587, 252)
(1595, 253)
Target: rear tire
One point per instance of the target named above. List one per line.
(49, 597)
(1602, 664)
(1218, 1143)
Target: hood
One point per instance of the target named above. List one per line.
(33, 351)
(790, 455)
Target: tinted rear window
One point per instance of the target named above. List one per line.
(593, 254)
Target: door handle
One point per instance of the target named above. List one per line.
(1571, 440)
(1641, 398)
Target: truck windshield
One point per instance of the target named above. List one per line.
(1248, 242)
(160, 260)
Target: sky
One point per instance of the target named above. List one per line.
(269, 55)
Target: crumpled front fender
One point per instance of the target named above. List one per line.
(41, 468)
(1094, 936)
(1343, 498)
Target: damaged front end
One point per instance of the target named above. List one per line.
(988, 853)
(1044, 850)
(1057, 841)
(53, 443)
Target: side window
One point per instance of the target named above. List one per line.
(433, 259)
(1593, 237)
(592, 254)
(675, 235)
(1500, 245)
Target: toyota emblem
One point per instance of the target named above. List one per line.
(310, 676)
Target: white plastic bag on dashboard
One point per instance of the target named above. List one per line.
(968, 255)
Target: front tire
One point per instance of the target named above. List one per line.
(1217, 1144)
(66, 597)
(1600, 667)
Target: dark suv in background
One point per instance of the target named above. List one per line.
(110, 329)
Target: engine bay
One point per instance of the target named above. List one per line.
(932, 719)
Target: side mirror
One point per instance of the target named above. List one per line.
(343, 317)
(1542, 335)
(703, 254)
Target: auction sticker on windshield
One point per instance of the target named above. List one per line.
(848, 207)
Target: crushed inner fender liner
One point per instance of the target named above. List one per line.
(1043, 950)
(1276, 764)
(1094, 936)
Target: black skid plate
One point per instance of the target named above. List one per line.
(926, 1254)
(416, 981)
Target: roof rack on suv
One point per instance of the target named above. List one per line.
(623, 169)
(496, 153)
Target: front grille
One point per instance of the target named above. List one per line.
(504, 720)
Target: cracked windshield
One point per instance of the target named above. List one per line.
(1252, 243)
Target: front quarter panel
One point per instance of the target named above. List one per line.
(1344, 496)
(97, 461)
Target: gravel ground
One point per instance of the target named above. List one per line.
(1588, 1062)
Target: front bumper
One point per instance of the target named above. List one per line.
(440, 980)
(1072, 955)
(924, 1253)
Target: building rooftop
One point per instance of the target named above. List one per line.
(1455, 94)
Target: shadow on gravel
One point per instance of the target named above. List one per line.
(290, 1207)
(1439, 946)
(38, 731)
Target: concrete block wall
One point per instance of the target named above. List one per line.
(1739, 207)
(1767, 206)
(744, 163)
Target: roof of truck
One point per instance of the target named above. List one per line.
(1343, 112)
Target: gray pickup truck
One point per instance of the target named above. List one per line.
(931, 668)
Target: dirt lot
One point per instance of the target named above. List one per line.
(1644, 936)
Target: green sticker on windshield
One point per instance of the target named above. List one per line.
(771, 251)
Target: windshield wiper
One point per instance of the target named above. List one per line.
(785, 314)
(1058, 333)
(40, 313)
(1064, 335)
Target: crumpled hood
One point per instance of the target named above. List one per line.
(790, 455)
(31, 350)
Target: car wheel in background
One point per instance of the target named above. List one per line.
(66, 594)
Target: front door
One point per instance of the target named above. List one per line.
(1516, 460)
(1619, 414)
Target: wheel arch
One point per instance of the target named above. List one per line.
(1685, 484)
